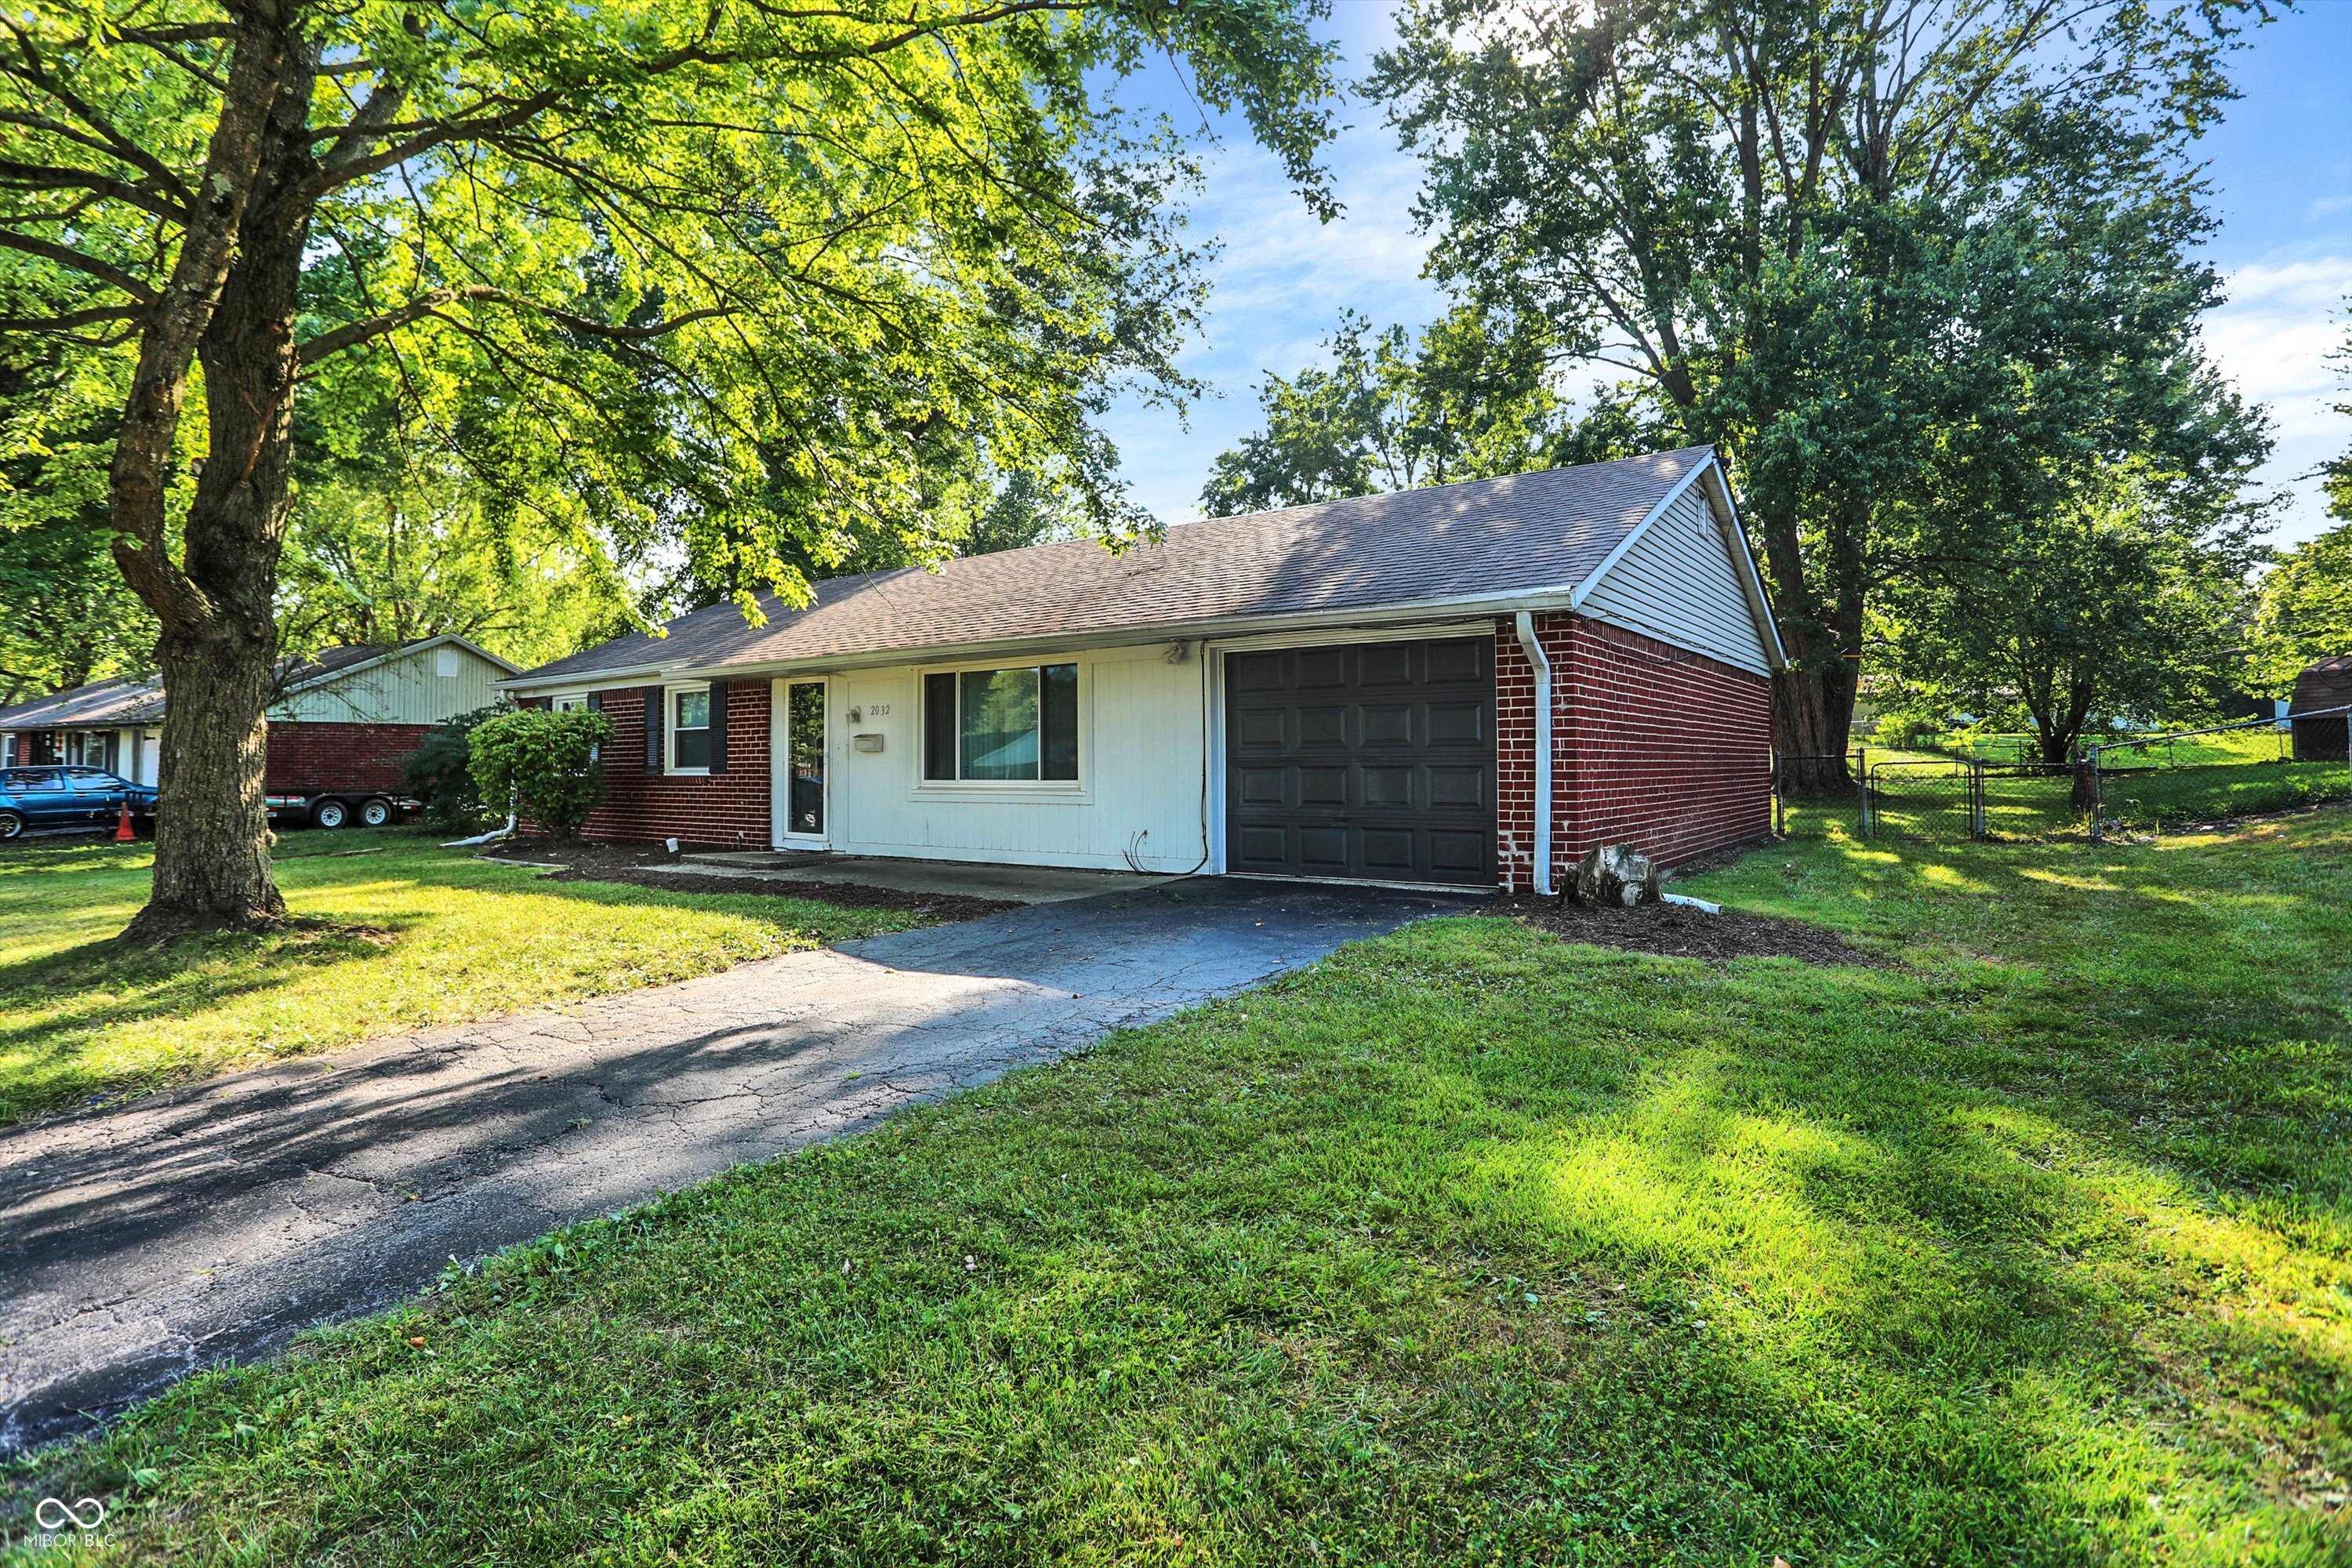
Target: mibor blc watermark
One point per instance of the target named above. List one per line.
(55, 1518)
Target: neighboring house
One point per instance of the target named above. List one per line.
(346, 719)
(108, 724)
(1346, 689)
(2326, 683)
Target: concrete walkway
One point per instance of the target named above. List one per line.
(211, 1224)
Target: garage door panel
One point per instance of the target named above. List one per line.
(1321, 666)
(1257, 849)
(1374, 761)
(1322, 786)
(1389, 664)
(1254, 671)
(1324, 850)
(1388, 786)
(1462, 787)
(1322, 727)
(1453, 852)
(1388, 724)
(1260, 728)
(1464, 660)
(1263, 787)
(1457, 723)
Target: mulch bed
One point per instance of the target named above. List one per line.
(1674, 931)
(635, 864)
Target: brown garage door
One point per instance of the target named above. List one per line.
(1375, 760)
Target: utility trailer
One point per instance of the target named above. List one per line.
(330, 805)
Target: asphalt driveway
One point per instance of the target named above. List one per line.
(209, 1224)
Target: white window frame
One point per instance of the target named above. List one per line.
(577, 700)
(670, 694)
(1048, 789)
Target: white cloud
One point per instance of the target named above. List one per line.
(1279, 287)
(2278, 337)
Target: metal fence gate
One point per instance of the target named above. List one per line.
(1812, 797)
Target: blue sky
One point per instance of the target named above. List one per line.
(2281, 167)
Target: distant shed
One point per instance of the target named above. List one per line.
(2323, 685)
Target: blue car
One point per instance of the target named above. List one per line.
(48, 799)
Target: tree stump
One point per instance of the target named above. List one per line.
(1615, 874)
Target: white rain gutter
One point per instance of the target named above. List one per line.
(1526, 624)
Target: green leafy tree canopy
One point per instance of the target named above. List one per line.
(720, 283)
(1893, 259)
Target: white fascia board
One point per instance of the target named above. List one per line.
(1634, 536)
(1212, 630)
(1751, 582)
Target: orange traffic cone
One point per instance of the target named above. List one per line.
(123, 834)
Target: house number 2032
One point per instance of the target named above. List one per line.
(876, 710)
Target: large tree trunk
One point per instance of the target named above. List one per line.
(220, 643)
(212, 831)
(1821, 632)
(1812, 719)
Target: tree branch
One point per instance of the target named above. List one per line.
(352, 333)
(71, 319)
(66, 256)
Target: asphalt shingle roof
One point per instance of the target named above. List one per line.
(138, 700)
(124, 699)
(1524, 533)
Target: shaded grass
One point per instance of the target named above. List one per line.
(2170, 796)
(1469, 1245)
(401, 935)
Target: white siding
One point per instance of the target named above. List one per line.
(1140, 764)
(1679, 583)
(406, 689)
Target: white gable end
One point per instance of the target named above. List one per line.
(1678, 581)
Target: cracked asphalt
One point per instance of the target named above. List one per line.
(208, 1225)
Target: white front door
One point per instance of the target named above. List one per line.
(798, 779)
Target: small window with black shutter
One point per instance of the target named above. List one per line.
(689, 730)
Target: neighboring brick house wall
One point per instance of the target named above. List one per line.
(1653, 745)
(729, 809)
(307, 756)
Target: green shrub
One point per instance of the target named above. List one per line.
(546, 762)
(440, 773)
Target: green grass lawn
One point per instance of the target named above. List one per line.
(2168, 796)
(414, 935)
(1915, 796)
(1467, 1246)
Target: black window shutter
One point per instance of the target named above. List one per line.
(718, 726)
(653, 729)
(596, 702)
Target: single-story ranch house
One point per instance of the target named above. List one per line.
(1467, 685)
(347, 718)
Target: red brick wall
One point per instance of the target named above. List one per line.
(308, 756)
(727, 808)
(1653, 745)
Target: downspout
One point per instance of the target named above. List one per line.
(1542, 664)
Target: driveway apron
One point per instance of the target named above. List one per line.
(211, 1224)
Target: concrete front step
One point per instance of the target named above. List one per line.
(1020, 884)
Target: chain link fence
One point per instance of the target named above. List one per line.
(2161, 784)
(2151, 784)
